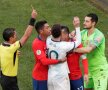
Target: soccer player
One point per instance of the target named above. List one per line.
(58, 74)
(94, 45)
(40, 70)
(73, 60)
(9, 56)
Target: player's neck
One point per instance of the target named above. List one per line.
(43, 38)
(91, 31)
(56, 39)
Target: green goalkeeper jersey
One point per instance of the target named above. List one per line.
(96, 58)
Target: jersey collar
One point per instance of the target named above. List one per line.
(5, 44)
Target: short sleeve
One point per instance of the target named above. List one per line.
(98, 40)
(16, 45)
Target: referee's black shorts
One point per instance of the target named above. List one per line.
(8, 83)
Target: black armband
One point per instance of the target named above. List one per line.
(32, 21)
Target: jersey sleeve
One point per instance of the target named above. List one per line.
(85, 63)
(80, 46)
(78, 37)
(98, 40)
(16, 46)
(41, 55)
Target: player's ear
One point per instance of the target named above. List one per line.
(41, 31)
(93, 23)
(11, 39)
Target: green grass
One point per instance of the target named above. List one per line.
(16, 13)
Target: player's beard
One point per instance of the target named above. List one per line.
(88, 27)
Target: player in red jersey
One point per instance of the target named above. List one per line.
(40, 70)
(73, 59)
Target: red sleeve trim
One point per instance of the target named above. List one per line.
(85, 65)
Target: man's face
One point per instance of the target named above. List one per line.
(14, 38)
(64, 36)
(46, 30)
(88, 24)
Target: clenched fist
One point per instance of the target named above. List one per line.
(76, 22)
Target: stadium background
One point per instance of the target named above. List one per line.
(16, 13)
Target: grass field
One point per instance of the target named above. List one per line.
(16, 13)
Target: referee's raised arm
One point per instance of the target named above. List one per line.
(29, 28)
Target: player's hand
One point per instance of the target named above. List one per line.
(34, 14)
(86, 79)
(72, 35)
(62, 60)
(18, 53)
(76, 22)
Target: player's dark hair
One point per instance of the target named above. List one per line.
(56, 30)
(39, 25)
(7, 33)
(94, 17)
(65, 29)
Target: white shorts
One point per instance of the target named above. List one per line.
(59, 84)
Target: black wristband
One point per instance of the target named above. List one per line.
(32, 21)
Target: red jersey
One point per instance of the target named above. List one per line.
(40, 71)
(73, 60)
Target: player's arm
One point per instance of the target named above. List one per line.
(87, 49)
(76, 23)
(29, 28)
(97, 41)
(85, 63)
(71, 45)
(41, 55)
(47, 61)
(85, 67)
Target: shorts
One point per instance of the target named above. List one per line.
(9, 83)
(77, 84)
(40, 85)
(98, 80)
(59, 84)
